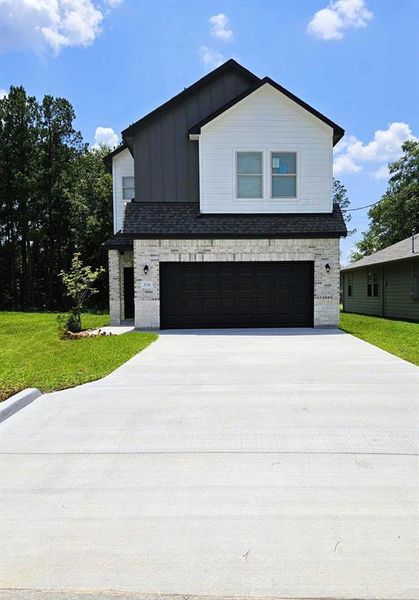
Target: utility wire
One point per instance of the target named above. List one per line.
(361, 207)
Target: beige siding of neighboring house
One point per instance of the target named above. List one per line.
(396, 283)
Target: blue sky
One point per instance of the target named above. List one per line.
(115, 60)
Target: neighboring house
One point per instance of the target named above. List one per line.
(385, 284)
(223, 210)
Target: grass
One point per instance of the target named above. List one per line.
(31, 355)
(398, 337)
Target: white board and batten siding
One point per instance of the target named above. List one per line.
(266, 121)
(122, 166)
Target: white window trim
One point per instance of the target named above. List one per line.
(127, 187)
(266, 175)
(260, 151)
(297, 175)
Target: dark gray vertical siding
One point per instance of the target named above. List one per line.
(396, 284)
(166, 161)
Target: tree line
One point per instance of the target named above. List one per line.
(55, 200)
(393, 218)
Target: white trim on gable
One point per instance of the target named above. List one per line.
(266, 121)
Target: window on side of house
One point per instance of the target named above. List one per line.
(249, 166)
(128, 190)
(350, 283)
(284, 174)
(372, 283)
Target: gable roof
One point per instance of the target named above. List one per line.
(399, 251)
(229, 65)
(108, 158)
(338, 132)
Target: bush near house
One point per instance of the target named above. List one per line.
(397, 337)
(32, 355)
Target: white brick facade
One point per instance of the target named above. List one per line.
(151, 252)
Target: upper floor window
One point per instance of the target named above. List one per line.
(284, 174)
(372, 283)
(249, 174)
(128, 190)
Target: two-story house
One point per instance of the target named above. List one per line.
(223, 210)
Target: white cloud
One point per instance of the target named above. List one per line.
(351, 154)
(107, 136)
(210, 57)
(49, 24)
(220, 27)
(381, 173)
(3, 94)
(331, 22)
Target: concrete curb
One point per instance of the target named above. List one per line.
(38, 594)
(18, 401)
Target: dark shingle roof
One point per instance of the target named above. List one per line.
(399, 251)
(118, 242)
(148, 220)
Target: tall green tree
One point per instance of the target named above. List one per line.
(18, 168)
(59, 147)
(340, 196)
(394, 217)
(92, 212)
(55, 199)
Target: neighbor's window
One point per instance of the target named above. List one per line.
(372, 284)
(284, 174)
(350, 283)
(249, 174)
(128, 191)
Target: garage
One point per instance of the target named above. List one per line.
(236, 294)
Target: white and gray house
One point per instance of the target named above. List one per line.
(223, 210)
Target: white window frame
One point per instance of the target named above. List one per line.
(127, 187)
(271, 175)
(237, 151)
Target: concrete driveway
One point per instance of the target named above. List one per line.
(274, 463)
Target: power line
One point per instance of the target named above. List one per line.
(361, 207)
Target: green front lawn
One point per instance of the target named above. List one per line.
(398, 337)
(31, 355)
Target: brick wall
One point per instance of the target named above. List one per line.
(152, 252)
(117, 262)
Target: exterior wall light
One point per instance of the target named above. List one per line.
(145, 269)
(327, 267)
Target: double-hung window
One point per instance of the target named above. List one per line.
(350, 283)
(128, 191)
(249, 175)
(372, 284)
(284, 174)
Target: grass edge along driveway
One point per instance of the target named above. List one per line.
(32, 355)
(400, 338)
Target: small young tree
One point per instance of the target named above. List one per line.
(79, 283)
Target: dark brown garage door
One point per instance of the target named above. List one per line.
(239, 294)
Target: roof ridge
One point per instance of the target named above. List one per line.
(229, 64)
(338, 131)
